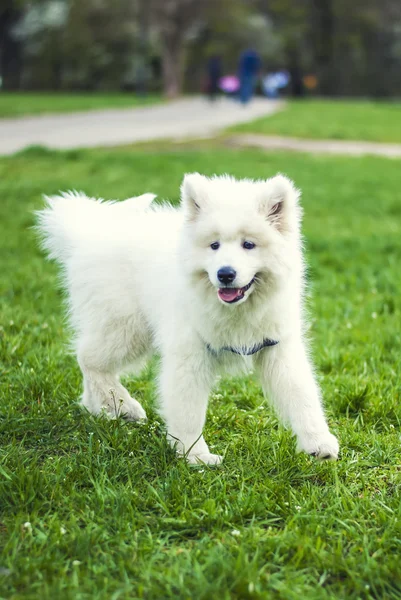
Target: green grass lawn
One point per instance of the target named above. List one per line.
(332, 119)
(92, 510)
(30, 103)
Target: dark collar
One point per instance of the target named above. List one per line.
(244, 351)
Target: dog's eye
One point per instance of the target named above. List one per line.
(215, 245)
(248, 245)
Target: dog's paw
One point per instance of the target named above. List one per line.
(204, 458)
(128, 409)
(132, 410)
(323, 446)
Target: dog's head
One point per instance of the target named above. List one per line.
(239, 233)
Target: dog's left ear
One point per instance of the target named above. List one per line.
(278, 203)
(193, 194)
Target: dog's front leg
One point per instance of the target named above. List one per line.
(288, 380)
(187, 375)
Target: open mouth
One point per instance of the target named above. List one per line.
(231, 295)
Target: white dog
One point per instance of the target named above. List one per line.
(205, 284)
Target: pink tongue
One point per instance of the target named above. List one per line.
(229, 294)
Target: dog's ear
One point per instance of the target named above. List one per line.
(278, 203)
(193, 194)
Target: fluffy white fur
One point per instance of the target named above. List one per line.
(142, 277)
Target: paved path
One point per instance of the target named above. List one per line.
(189, 117)
(353, 148)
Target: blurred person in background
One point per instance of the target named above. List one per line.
(249, 67)
(274, 83)
(214, 73)
(229, 84)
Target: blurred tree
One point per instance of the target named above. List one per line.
(10, 48)
(101, 40)
(352, 48)
(175, 22)
(78, 45)
(39, 31)
(190, 30)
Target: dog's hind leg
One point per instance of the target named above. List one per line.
(102, 357)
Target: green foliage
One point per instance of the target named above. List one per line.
(77, 45)
(340, 120)
(16, 104)
(100, 44)
(92, 509)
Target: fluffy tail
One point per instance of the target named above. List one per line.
(71, 219)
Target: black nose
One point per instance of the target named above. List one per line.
(226, 275)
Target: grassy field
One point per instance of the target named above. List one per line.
(97, 510)
(328, 119)
(29, 103)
